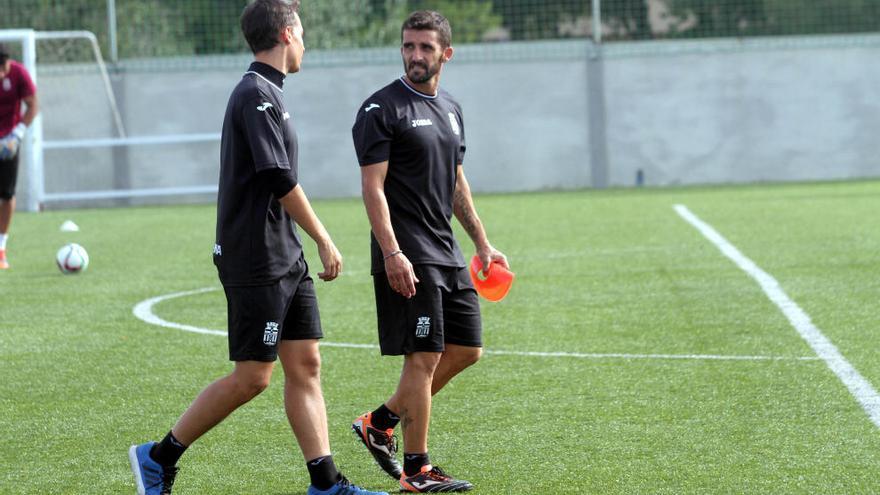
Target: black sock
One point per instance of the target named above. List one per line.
(168, 451)
(412, 463)
(384, 419)
(323, 472)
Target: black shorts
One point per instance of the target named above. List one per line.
(445, 310)
(8, 177)
(260, 317)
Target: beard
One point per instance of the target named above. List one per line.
(420, 72)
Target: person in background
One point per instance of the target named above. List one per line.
(16, 87)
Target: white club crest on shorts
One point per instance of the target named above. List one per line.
(454, 122)
(270, 334)
(423, 326)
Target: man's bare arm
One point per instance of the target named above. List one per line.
(398, 268)
(466, 213)
(298, 207)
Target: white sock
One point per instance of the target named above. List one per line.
(3, 240)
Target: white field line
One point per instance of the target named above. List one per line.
(858, 386)
(618, 355)
(144, 311)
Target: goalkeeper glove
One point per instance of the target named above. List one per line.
(10, 143)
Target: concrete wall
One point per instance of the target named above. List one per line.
(792, 114)
(683, 113)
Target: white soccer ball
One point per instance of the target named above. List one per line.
(72, 258)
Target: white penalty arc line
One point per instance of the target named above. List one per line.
(144, 312)
(858, 386)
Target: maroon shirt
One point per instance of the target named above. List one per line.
(15, 86)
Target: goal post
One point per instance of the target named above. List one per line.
(32, 149)
(32, 156)
(81, 152)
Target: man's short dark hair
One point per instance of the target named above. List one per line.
(263, 20)
(4, 53)
(429, 20)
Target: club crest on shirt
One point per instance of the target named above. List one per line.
(454, 122)
(423, 326)
(7, 84)
(270, 334)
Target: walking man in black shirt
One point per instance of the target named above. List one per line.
(409, 138)
(272, 308)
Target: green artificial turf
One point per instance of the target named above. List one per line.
(667, 369)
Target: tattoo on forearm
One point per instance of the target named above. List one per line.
(466, 214)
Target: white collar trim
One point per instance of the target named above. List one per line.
(423, 95)
(264, 78)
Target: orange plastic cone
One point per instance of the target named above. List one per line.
(496, 283)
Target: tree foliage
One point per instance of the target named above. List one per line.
(471, 20)
(352, 23)
(531, 20)
(153, 28)
(149, 28)
(707, 18)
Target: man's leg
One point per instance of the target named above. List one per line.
(303, 399)
(461, 324)
(415, 328)
(8, 180)
(7, 207)
(219, 399)
(154, 464)
(454, 360)
(463, 328)
(307, 414)
(412, 400)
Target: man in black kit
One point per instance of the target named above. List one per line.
(272, 308)
(409, 139)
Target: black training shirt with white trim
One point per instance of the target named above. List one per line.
(422, 138)
(256, 241)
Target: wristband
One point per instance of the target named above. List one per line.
(19, 130)
(392, 254)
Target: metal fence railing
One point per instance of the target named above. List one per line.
(137, 29)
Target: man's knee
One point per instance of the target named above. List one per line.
(471, 356)
(301, 360)
(463, 357)
(249, 385)
(304, 367)
(423, 363)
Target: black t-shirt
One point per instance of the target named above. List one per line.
(422, 138)
(257, 241)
